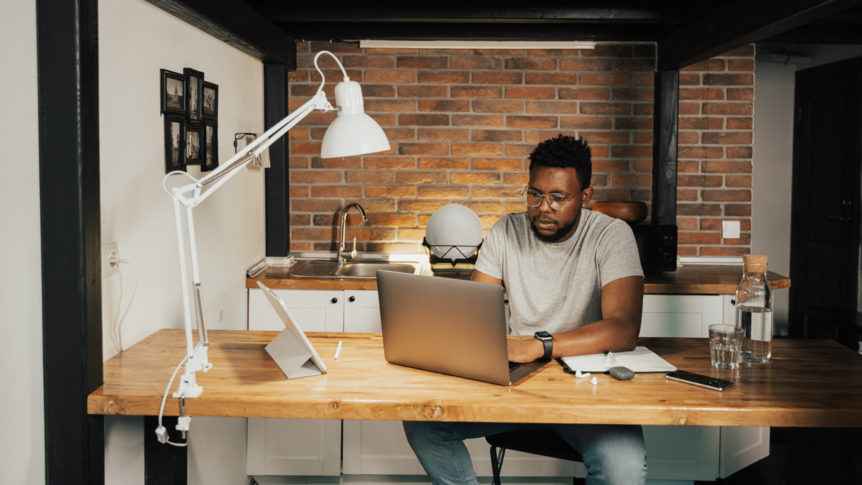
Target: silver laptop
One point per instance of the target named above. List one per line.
(446, 325)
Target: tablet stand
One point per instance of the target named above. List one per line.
(291, 356)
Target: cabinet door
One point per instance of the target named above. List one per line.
(295, 446)
(680, 315)
(361, 311)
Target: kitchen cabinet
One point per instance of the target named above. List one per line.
(379, 448)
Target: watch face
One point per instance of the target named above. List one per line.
(543, 335)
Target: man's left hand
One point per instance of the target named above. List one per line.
(525, 348)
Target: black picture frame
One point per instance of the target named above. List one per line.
(194, 93)
(194, 144)
(210, 100)
(175, 142)
(210, 136)
(173, 91)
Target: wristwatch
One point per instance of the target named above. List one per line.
(548, 342)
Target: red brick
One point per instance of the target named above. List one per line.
(316, 176)
(341, 191)
(484, 106)
(686, 209)
(496, 135)
(496, 193)
(551, 107)
(475, 62)
(714, 224)
(299, 162)
(530, 92)
(740, 94)
(633, 94)
(532, 63)
(345, 162)
(643, 80)
(630, 180)
(738, 152)
(726, 195)
(554, 79)
(392, 105)
(473, 92)
(688, 138)
(474, 178)
(422, 178)
(497, 164)
(689, 79)
(389, 76)
(642, 166)
(485, 207)
(378, 91)
(726, 167)
(420, 205)
(728, 79)
(536, 136)
(423, 62)
(444, 163)
(588, 122)
(701, 93)
(737, 210)
(602, 79)
(701, 123)
(700, 152)
(606, 137)
(443, 192)
(531, 121)
(506, 77)
(477, 149)
(392, 163)
(640, 137)
(397, 220)
(593, 108)
(684, 250)
(685, 237)
(580, 64)
(444, 77)
(686, 180)
(686, 166)
(727, 138)
(686, 223)
(686, 195)
(483, 121)
(740, 65)
(299, 220)
(740, 124)
(642, 109)
(297, 133)
(423, 149)
(633, 123)
(710, 65)
(422, 91)
(723, 251)
(457, 105)
(423, 119)
(390, 191)
(307, 233)
(738, 180)
(520, 179)
(443, 134)
(369, 177)
(634, 65)
(315, 205)
(593, 94)
(689, 108)
(631, 151)
(365, 61)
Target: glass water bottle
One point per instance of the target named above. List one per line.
(754, 309)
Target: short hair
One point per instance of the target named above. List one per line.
(565, 152)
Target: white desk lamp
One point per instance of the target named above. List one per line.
(351, 133)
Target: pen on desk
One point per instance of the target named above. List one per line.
(338, 349)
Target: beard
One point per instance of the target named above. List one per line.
(560, 233)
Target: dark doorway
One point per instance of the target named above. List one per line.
(824, 251)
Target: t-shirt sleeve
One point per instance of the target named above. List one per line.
(490, 260)
(617, 254)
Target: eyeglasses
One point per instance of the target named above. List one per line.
(556, 200)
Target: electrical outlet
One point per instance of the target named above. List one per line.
(730, 229)
(110, 253)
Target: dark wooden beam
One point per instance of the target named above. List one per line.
(164, 464)
(276, 178)
(740, 24)
(68, 89)
(665, 127)
(237, 24)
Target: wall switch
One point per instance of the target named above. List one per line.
(110, 259)
(730, 229)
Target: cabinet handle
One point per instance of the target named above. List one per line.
(351, 298)
(334, 300)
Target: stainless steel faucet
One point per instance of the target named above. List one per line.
(341, 243)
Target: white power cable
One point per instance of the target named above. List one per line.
(161, 432)
(117, 330)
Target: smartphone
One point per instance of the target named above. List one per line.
(699, 380)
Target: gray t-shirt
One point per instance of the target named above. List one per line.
(557, 286)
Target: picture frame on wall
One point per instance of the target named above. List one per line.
(175, 143)
(194, 93)
(194, 147)
(210, 161)
(210, 100)
(173, 89)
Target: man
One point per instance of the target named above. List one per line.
(574, 274)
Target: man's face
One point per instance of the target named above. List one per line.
(556, 225)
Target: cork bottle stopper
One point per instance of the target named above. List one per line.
(754, 263)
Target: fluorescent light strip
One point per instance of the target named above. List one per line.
(471, 44)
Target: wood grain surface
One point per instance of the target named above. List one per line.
(686, 280)
(809, 383)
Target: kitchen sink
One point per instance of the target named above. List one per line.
(313, 268)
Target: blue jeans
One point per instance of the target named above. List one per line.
(612, 454)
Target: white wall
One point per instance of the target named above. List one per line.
(22, 443)
(137, 39)
(773, 158)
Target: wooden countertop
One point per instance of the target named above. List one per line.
(808, 383)
(686, 280)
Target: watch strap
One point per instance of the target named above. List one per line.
(548, 343)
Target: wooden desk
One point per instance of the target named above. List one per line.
(809, 383)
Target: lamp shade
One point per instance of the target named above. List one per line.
(352, 132)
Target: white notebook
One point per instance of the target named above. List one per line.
(641, 359)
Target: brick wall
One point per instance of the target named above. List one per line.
(462, 123)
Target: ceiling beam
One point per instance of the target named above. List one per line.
(237, 24)
(740, 24)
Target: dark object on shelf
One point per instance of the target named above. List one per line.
(657, 246)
